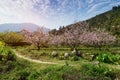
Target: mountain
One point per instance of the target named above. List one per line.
(76, 26)
(20, 26)
(109, 21)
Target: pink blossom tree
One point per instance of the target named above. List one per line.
(56, 40)
(97, 38)
(38, 38)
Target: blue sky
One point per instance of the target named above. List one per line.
(52, 13)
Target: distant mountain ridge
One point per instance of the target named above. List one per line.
(109, 21)
(20, 26)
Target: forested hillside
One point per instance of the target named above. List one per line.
(109, 21)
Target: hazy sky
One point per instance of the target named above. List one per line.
(52, 13)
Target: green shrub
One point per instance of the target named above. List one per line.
(96, 71)
(108, 58)
(54, 54)
(6, 54)
(2, 43)
(61, 58)
(74, 58)
(59, 73)
(34, 75)
(23, 74)
(43, 54)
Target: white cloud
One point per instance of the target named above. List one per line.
(19, 11)
(114, 4)
(43, 12)
(90, 1)
(94, 7)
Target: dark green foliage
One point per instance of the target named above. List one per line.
(61, 57)
(109, 21)
(6, 54)
(23, 74)
(98, 72)
(6, 67)
(11, 37)
(74, 58)
(23, 70)
(108, 58)
(60, 73)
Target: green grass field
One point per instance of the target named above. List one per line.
(25, 70)
(71, 68)
(45, 54)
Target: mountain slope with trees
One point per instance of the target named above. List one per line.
(108, 21)
(105, 23)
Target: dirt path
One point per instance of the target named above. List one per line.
(42, 62)
(32, 60)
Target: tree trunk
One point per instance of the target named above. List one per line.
(38, 47)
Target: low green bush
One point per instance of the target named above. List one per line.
(6, 54)
(24, 70)
(108, 58)
(61, 57)
(54, 54)
(23, 74)
(98, 72)
(74, 58)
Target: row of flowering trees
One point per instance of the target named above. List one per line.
(93, 38)
(79, 35)
(38, 38)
